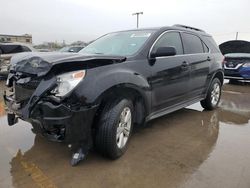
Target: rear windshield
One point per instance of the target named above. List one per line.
(9, 49)
(124, 43)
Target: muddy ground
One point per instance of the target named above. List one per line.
(189, 148)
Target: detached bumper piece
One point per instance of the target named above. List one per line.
(78, 156)
(59, 122)
(63, 124)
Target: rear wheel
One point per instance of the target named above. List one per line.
(114, 128)
(213, 96)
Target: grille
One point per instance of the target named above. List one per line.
(22, 94)
(24, 91)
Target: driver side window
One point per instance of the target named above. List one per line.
(170, 39)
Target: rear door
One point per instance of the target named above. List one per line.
(170, 74)
(199, 60)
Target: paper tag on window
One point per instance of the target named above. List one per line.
(140, 35)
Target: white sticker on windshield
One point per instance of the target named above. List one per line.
(140, 35)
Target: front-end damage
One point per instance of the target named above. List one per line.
(30, 97)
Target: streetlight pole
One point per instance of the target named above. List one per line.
(137, 18)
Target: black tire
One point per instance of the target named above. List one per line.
(207, 102)
(106, 132)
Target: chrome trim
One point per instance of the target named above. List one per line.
(232, 77)
(168, 31)
(229, 68)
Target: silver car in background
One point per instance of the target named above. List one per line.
(7, 50)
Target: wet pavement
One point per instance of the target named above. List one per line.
(189, 148)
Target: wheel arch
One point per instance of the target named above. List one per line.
(218, 74)
(139, 99)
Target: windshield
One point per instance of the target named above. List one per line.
(122, 43)
(64, 49)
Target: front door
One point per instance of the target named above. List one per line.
(170, 75)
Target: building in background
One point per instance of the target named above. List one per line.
(16, 38)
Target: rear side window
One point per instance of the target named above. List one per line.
(206, 49)
(168, 39)
(192, 44)
(211, 44)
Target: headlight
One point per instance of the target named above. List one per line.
(246, 65)
(67, 81)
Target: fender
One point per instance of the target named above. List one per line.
(209, 81)
(99, 81)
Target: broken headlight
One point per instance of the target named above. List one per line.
(67, 81)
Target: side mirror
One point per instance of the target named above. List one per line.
(164, 51)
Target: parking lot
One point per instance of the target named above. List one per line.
(187, 148)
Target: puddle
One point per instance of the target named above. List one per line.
(187, 148)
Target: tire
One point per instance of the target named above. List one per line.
(110, 125)
(213, 95)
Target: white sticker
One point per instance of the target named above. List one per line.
(140, 35)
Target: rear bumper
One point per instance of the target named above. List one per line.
(58, 122)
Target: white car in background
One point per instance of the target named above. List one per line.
(7, 50)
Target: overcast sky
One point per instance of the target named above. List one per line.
(72, 20)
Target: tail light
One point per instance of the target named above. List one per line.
(223, 61)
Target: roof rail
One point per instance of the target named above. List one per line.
(188, 27)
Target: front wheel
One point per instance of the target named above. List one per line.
(114, 128)
(213, 96)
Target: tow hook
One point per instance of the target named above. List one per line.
(12, 119)
(78, 156)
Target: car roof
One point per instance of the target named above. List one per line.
(174, 27)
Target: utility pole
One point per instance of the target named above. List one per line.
(237, 35)
(137, 18)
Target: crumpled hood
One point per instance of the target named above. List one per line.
(40, 63)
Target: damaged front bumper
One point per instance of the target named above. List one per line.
(56, 121)
(59, 122)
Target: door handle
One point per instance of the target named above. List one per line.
(208, 58)
(184, 65)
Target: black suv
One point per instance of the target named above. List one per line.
(94, 98)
